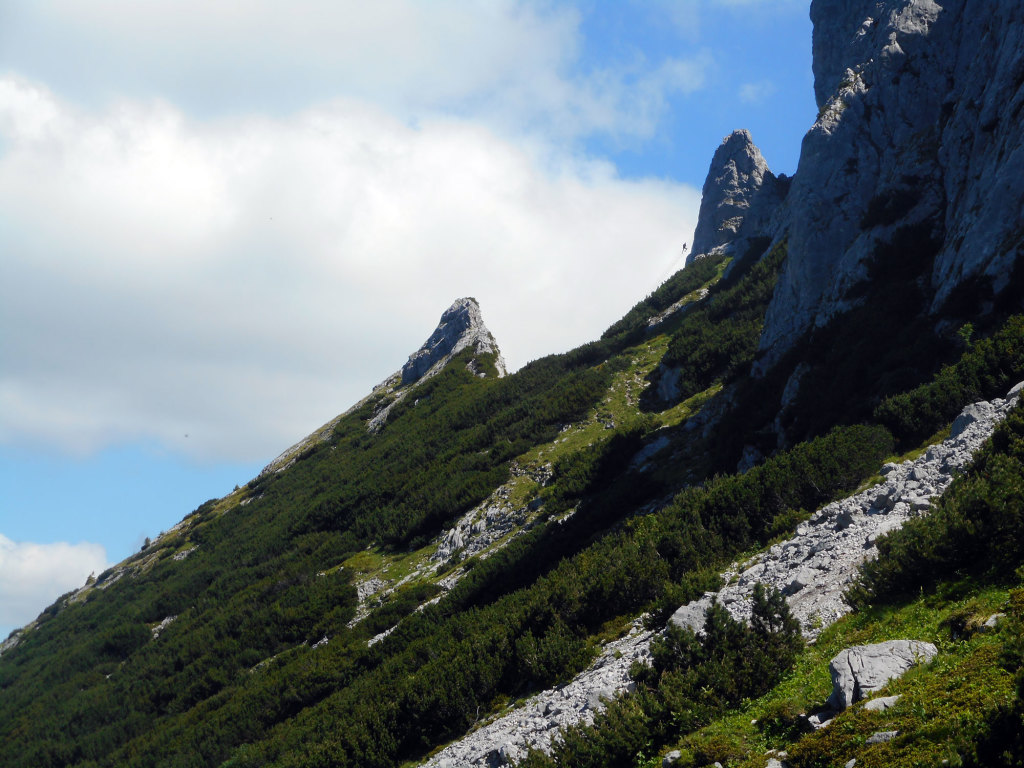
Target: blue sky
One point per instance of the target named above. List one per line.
(221, 224)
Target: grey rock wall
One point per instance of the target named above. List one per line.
(917, 147)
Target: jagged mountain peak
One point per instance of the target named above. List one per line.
(461, 325)
(739, 194)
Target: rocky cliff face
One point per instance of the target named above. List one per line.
(738, 200)
(915, 155)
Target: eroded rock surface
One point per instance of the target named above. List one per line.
(537, 721)
(489, 522)
(862, 670)
(815, 567)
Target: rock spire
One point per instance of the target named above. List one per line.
(461, 326)
(739, 194)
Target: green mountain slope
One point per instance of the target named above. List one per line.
(215, 621)
(229, 640)
(461, 538)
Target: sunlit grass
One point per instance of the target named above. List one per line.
(943, 703)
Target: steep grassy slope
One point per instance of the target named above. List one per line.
(205, 640)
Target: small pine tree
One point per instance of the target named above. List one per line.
(776, 632)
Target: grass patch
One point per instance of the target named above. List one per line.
(945, 704)
(366, 562)
(619, 408)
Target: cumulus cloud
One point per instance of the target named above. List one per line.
(32, 576)
(241, 280)
(511, 64)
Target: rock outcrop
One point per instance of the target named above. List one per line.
(915, 155)
(538, 720)
(816, 566)
(739, 197)
(461, 327)
(863, 670)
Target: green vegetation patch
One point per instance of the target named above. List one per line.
(943, 710)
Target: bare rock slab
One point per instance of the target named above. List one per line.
(862, 670)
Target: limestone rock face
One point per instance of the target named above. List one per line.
(739, 196)
(461, 326)
(916, 153)
(860, 671)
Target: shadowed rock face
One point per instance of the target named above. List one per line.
(460, 326)
(920, 103)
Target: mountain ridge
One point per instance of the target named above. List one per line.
(420, 564)
(461, 326)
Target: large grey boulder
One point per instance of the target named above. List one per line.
(862, 670)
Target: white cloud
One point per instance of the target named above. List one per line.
(512, 64)
(243, 280)
(32, 576)
(757, 93)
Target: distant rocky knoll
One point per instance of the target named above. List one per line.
(461, 326)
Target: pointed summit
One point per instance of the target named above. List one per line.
(737, 174)
(461, 326)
